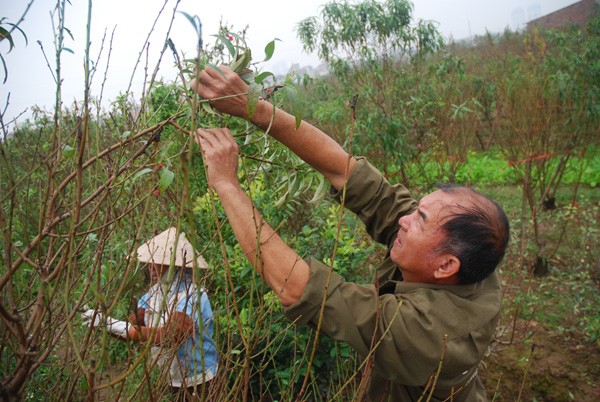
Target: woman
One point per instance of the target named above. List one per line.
(174, 315)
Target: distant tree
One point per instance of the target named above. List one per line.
(368, 31)
(368, 45)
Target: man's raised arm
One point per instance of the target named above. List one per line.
(308, 142)
(279, 265)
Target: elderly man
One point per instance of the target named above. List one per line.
(437, 295)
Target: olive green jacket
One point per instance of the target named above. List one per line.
(410, 332)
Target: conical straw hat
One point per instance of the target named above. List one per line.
(159, 250)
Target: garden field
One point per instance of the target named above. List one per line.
(515, 115)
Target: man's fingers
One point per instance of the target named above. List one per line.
(209, 71)
(204, 138)
(204, 76)
(222, 71)
(213, 136)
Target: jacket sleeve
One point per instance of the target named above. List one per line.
(391, 328)
(375, 201)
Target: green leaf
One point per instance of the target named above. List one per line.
(263, 76)
(69, 32)
(298, 117)
(227, 44)
(125, 134)
(293, 186)
(141, 173)
(21, 31)
(66, 49)
(253, 96)
(4, 34)
(281, 200)
(68, 151)
(321, 191)
(280, 188)
(248, 76)
(166, 178)
(4, 68)
(269, 50)
(242, 61)
(191, 19)
(208, 108)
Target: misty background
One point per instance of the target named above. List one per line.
(30, 77)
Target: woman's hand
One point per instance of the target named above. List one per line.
(136, 321)
(221, 156)
(177, 329)
(223, 83)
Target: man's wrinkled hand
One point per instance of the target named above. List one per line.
(221, 154)
(224, 88)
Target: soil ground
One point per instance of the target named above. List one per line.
(539, 365)
(551, 351)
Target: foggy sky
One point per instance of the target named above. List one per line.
(30, 80)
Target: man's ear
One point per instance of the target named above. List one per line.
(447, 268)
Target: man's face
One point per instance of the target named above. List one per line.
(419, 235)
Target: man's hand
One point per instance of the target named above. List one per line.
(221, 155)
(215, 84)
(94, 319)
